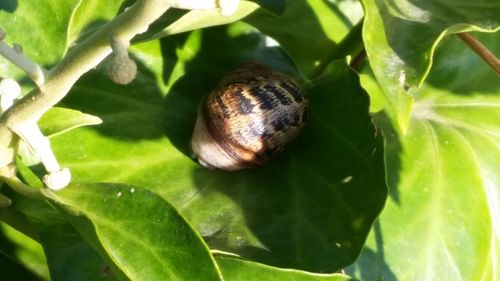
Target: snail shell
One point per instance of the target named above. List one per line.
(248, 118)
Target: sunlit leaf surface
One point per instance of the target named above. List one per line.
(401, 36)
(444, 180)
(143, 234)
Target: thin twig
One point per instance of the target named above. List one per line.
(482, 51)
(34, 71)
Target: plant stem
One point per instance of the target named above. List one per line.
(352, 44)
(482, 51)
(34, 71)
(84, 57)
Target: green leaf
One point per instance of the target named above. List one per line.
(54, 122)
(68, 255)
(197, 19)
(142, 233)
(378, 100)
(443, 177)
(401, 36)
(310, 209)
(61, 120)
(88, 16)
(11, 270)
(236, 269)
(310, 31)
(49, 22)
(25, 254)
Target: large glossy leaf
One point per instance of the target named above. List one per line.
(310, 31)
(235, 269)
(442, 222)
(141, 232)
(401, 36)
(310, 208)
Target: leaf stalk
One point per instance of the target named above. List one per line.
(481, 51)
(14, 54)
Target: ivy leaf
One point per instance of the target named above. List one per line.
(401, 37)
(141, 232)
(443, 177)
(21, 257)
(68, 255)
(237, 269)
(60, 120)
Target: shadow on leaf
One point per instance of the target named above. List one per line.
(313, 206)
(9, 6)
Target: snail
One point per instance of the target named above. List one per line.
(251, 116)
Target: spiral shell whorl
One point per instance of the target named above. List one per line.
(252, 115)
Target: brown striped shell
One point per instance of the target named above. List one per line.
(248, 118)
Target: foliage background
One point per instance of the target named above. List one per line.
(428, 153)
